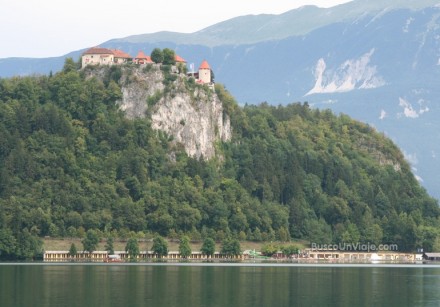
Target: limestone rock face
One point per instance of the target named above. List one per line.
(137, 85)
(192, 114)
(197, 125)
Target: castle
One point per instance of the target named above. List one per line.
(104, 56)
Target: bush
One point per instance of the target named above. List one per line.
(147, 68)
(269, 249)
(153, 99)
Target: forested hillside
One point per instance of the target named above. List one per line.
(71, 161)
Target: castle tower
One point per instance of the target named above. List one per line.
(205, 72)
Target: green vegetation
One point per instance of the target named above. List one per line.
(208, 247)
(160, 246)
(157, 55)
(109, 246)
(73, 251)
(231, 247)
(71, 164)
(184, 247)
(165, 56)
(269, 249)
(168, 56)
(132, 248)
(153, 99)
(90, 241)
(290, 250)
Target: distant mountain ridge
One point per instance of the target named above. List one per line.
(251, 29)
(240, 30)
(377, 61)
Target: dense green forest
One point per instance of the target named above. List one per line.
(71, 161)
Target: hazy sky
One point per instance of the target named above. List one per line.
(44, 28)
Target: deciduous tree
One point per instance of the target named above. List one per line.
(90, 242)
(231, 247)
(184, 247)
(73, 251)
(7, 244)
(157, 55)
(208, 247)
(132, 248)
(109, 245)
(168, 56)
(160, 246)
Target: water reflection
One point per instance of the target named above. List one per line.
(165, 285)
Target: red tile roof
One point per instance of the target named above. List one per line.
(120, 54)
(98, 50)
(179, 59)
(141, 56)
(204, 65)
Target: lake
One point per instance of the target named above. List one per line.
(218, 285)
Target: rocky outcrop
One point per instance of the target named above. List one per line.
(197, 125)
(192, 114)
(137, 86)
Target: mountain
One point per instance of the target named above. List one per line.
(185, 158)
(252, 29)
(236, 31)
(377, 61)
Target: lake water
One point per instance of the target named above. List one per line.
(33, 285)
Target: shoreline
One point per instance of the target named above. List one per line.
(246, 263)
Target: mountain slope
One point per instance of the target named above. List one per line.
(258, 28)
(71, 161)
(377, 61)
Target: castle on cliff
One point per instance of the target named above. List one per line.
(104, 56)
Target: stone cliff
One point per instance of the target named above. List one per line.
(192, 114)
